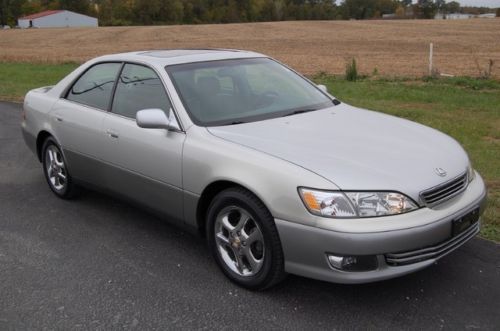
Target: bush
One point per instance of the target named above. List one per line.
(351, 71)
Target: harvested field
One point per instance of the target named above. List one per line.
(393, 48)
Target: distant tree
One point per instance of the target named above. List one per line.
(452, 7)
(386, 6)
(146, 11)
(4, 9)
(359, 9)
(426, 9)
(440, 4)
(82, 7)
(400, 12)
(10, 10)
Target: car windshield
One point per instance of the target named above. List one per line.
(244, 90)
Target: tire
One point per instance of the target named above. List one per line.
(56, 171)
(243, 239)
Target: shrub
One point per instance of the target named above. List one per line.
(351, 71)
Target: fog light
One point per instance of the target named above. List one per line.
(353, 263)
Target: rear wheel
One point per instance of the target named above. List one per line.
(244, 240)
(56, 171)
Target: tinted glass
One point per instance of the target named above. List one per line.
(243, 90)
(95, 86)
(138, 88)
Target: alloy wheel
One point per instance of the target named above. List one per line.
(55, 167)
(239, 241)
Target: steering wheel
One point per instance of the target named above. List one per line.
(266, 99)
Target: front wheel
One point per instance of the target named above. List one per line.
(244, 240)
(56, 171)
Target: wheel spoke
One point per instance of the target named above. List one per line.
(50, 172)
(225, 223)
(61, 175)
(239, 261)
(254, 263)
(222, 240)
(242, 222)
(57, 181)
(255, 236)
(58, 160)
(51, 156)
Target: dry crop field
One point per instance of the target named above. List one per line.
(392, 48)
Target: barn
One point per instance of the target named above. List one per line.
(56, 19)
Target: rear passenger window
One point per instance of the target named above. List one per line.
(95, 86)
(138, 88)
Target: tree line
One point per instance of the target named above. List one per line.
(150, 12)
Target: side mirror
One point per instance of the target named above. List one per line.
(156, 119)
(323, 88)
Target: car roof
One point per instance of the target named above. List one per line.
(167, 57)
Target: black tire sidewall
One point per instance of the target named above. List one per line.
(266, 223)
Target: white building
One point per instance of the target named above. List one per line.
(459, 16)
(453, 16)
(56, 19)
(489, 15)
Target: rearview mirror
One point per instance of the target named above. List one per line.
(323, 88)
(156, 119)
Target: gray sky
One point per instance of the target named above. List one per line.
(485, 3)
(478, 3)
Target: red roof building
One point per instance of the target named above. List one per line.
(56, 19)
(40, 14)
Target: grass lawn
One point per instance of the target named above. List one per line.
(466, 109)
(18, 78)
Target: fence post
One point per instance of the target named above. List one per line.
(431, 51)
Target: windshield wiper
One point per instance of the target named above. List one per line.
(300, 111)
(236, 122)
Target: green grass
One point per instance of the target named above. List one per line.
(467, 109)
(18, 78)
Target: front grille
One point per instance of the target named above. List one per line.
(445, 191)
(431, 252)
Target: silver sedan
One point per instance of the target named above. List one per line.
(277, 174)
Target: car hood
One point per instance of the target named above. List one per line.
(356, 149)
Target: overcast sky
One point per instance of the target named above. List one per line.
(478, 3)
(486, 3)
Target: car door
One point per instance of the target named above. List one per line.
(77, 120)
(143, 164)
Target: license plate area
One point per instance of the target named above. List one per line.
(462, 223)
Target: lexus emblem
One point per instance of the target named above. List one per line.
(440, 172)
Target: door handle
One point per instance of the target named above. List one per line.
(59, 118)
(112, 134)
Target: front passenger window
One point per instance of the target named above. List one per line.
(95, 86)
(138, 88)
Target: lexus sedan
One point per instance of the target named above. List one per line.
(277, 174)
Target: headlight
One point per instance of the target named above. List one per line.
(337, 204)
(470, 172)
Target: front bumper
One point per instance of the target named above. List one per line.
(306, 247)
